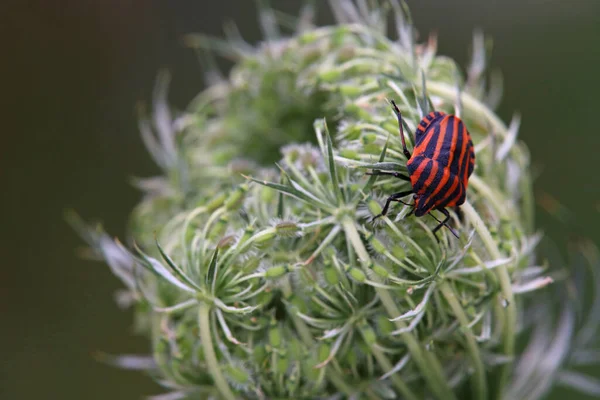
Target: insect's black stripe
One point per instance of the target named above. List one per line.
(471, 158)
(464, 172)
(460, 198)
(437, 180)
(425, 125)
(418, 185)
(446, 153)
(459, 137)
(422, 127)
(439, 174)
(451, 142)
(434, 175)
(457, 196)
(433, 132)
(443, 197)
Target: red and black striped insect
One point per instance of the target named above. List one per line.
(439, 168)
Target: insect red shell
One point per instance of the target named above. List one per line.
(441, 163)
(439, 167)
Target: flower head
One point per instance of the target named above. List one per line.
(254, 265)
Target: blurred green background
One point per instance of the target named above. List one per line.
(73, 71)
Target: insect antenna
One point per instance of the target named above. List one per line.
(399, 116)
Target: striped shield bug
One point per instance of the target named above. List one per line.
(439, 167)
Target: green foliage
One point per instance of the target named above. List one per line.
(256, 279)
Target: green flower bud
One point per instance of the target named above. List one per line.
(381, 307)
(357, 274)
(235, 199)
(275, 337)
(287, 229)
(368, 333)
(277, 271)
(236, 374)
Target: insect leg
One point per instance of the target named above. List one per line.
(394, 197)
(394, 174)
(459, 213)
(443, 223)
(399, 116)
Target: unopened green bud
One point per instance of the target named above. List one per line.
(295, 348)
(235, 199)
(331, 275)
(358, 112)
(357, 274)
(506, 228)
(398, 252)
(391, 127)
(248, 232)
(368, 333)
(216, 202)
(259, 353)
(377, 244)
(351, 154)
(265, 296)
(374, 207)
(275, 336)
(372, 148)
(353, 133)
(237, 374)
(299, 303)
(307, 37)
(265, 237)
(329, 75)
(226, 242)
(380, 271)
(283, 363)
(287, 228)
(220, 227)
(250, 265)
(351, 357)
(349, 90)
(267, 195)
(505, 247)
(384, 325)
(308, 368)
(368, 138)
(277, 271)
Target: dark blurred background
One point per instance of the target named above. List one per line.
(73, 71)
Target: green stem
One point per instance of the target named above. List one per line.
(209, 353)
(506, 288)
(432, 372)
(480, 387)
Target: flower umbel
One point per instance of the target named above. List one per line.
(254, 267)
